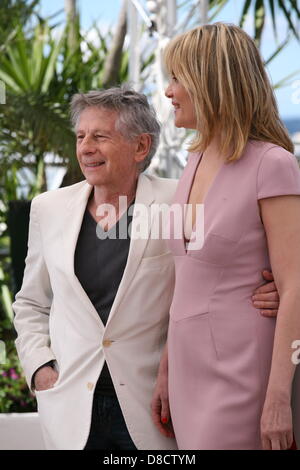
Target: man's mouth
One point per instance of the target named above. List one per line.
(93, 164)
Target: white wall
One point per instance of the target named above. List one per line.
(20, 431)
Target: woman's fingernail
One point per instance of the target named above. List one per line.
(164, 420)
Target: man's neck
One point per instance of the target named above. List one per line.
(120, 200)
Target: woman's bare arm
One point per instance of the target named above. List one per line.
(281, 218)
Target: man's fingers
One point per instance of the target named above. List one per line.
(272, 296)
(269, 313)
(266, 305)
(268, 287)
(268, 276)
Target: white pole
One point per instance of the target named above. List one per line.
(134, 45)
(171, 17)
(203, 12)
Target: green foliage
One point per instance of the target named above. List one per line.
(13, 14)
(288, 8)
(15, 395)
(35, 116)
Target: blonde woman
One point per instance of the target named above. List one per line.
(230, 371)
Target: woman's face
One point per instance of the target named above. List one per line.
(185, 115)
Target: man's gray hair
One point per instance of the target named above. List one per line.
(136, 116)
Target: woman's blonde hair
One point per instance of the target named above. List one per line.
(221, 68)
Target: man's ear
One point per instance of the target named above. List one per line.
(142, 147)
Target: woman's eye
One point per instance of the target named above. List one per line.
(174, 78)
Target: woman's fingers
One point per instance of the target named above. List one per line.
(166, 417)
(156, 409)
(165, 410)
(276, 424)
(290, 439)
(275, 443)
(266, 443)
(161, 416)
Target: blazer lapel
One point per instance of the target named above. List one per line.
(74, 215)
(141, 224)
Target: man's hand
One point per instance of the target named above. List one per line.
(45, 378)
(266, 297)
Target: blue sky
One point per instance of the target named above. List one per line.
(106, 12)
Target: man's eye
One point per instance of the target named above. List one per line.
(80, 137)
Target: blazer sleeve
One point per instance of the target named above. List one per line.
(278, 174)
(32, 304)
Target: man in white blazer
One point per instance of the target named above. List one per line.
(63, 342)
(56, 320)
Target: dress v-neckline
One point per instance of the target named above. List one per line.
(190, 183)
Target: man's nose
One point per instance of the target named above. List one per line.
(87, 145)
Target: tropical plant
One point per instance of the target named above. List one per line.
(289, 9)
(14, 393)
(13, 14)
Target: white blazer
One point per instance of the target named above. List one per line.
(55, 319)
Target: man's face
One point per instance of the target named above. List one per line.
(104, 155)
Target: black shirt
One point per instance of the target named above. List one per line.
(99, 265)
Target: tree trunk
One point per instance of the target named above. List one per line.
(114, 57)
(71, 14)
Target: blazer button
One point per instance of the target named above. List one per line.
(90, 386)
(107, 342)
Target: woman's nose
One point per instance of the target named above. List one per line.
(168, 91)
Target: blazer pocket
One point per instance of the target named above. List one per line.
(157, 262)
(56, 383)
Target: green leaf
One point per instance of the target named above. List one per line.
(50, 70)
(281, 46)
(288, 17)
(272, 9)
(37, 58)
(286, 81)
(245, 12)
(259, 20)
(10, 80)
